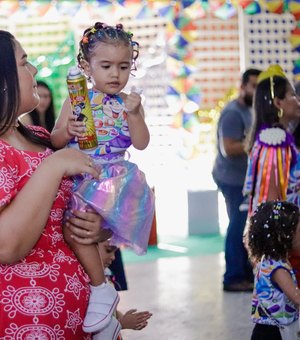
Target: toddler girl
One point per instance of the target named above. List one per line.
(121, 196)
(273, 232)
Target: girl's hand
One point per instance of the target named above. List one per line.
(135, 320)
(85, 227)
(75, 127)
(133, 101)
(72, 162)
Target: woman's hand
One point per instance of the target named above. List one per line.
(72, 162)
(85, 227)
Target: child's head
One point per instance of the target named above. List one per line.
(107, 55)
(272, 230)
(275, 101)
(107, 253)
(272, 95)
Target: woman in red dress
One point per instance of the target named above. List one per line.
(43, 289)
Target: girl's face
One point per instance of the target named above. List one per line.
(109, 67)
(290, 105)
(29, 97)
(107, 253)
(45, 99)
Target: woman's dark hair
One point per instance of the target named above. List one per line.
(10, 92)
(49, 114)
(265, 112)
(272, 228)
(9, 83)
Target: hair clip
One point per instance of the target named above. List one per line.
(272, 87)
(85, 39)
(268, 235)
(266, 226)
(93, 30)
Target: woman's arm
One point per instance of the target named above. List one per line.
(23, 220)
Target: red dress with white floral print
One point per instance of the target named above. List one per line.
(45, 295)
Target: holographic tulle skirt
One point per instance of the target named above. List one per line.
(124, 200)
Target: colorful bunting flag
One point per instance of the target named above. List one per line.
(294, 8)
(274, 6)
(253, 8)
(187, 3)
(226, 11)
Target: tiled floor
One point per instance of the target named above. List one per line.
(185, 296)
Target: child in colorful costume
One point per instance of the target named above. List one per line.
(272, 149)
(121, 195)
(271, 146)
(273, 232)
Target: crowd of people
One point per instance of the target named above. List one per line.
(54, 256)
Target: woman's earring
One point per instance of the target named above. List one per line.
(280, 113)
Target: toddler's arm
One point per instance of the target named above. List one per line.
(138, 129)
(284, 280)
(66, 127)
(133, 319)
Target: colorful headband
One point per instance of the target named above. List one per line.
(271, 72)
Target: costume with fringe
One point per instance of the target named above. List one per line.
(273, 150)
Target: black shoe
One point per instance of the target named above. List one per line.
(243, 286)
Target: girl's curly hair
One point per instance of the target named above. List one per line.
(272, 229)
(101, 32)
